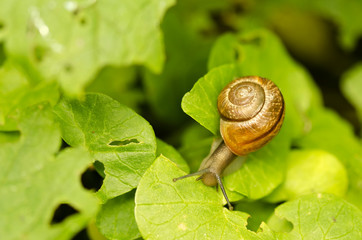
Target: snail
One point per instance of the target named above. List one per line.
(251, 113)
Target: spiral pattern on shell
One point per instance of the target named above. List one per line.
(252, 112)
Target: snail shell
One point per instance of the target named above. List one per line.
(251, 113)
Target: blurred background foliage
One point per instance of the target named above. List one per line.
(324, 36)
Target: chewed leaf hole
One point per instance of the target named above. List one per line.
(91, 179)
(117, 143)
(253, 224)
(11, 136)
(258, 211)
(62, 212)
(81, 235)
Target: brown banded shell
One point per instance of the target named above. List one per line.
(252, 112)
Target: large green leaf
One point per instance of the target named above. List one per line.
(330, 132)
(321, 216)
(185, 209)
(70, 40)
(36, 179)
(114, 134)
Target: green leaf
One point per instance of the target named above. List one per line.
(224, 51)
(200, 102)
(351, 86)
(321, 216)
(169, 152)
(185, 209)
(114, 134)
(331, 133)
(16, 93)
(70, 40)
(36, 179)
(116, 218)
(311, 171)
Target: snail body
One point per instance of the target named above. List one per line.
(251, 113)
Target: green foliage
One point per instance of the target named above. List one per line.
(174, 211)
(115, 135)
(78, 79)
(36, 178)
(311, 171)
(321, 216)
(71, 40)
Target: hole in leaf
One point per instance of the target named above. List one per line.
(99, 167)
(64, 145)
(295, 146)
(91, 179)
(81, 235)
(10, 136)
(259, 212)
(62, 212)
(253, 224)
(118, 143)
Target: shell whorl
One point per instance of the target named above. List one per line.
(242, 99)
(252, 111)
